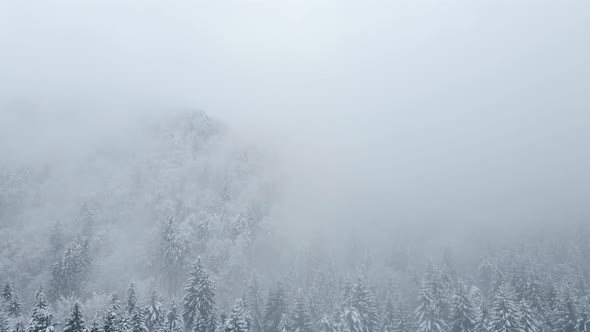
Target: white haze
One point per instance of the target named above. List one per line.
(399, 115)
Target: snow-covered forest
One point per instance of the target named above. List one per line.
(295, 166)
(181, 236)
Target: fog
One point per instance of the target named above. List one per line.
(439, 122)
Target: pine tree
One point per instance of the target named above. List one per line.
(566, 316)
(529, 318)
(300, 320)
(498, 279)
(155, 317)
(41, 316)
(485, 275)
(56, 240)
(4, 326)
(76, 322)
(174, 322)
(254, 303)
(131, 298)
(430, 314)
(463, 319)
(13, 309)
(505, 315)
(110, 321)
(137, 321)
(238, 320)
(276, 308)
(389, 318)
(351, 321)
(199, 301)
(362, 300)
(173, 252)
(7, 292)
(403, 319)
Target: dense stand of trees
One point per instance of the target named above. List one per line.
(515, 290)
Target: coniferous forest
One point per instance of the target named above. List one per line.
(206, 255)
(294, 165)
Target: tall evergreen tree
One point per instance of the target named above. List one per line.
(505, 312)
(7, 292)
(430, 314)
(174, 253)
(4, 326)
(566, 316)
(300, 320)
(137, 321)
(199, 301)
(403, 319)
(239, 319)
(529, 318)
(13, 309)
(174, 321)
(41, 317)
(154, 316)
(254, 303)
(131, 298)
(463, 318)
(389, 319)
(360, 298)
(276, 308)
(76, 322)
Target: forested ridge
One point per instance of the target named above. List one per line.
(180, 236)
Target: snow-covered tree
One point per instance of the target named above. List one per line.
(505, 315)
(300, 320)
(254, 303)
(154, 319)
(76, 322)
(404, 322)
(174, 253)
(41, 317)
(4, 325)
(199, 301)
(131, 298)
(275, 309)
(13, 308)
(566, 316)
(463, 314)
(430, 314)
(7, 292)
(239, 320)
(174, 321)
(529, 318)
(137, 321)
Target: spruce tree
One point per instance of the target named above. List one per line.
(389, 319)
(110, 321)
(137, 321)
(566, 316)
(404, 321)
(300, 320)
(7, 292)
(238, 320)
(430, 315)
(351, 321)
(76, 322)
(41, 317)
(131, 298)
(529, 318)
(174, 322)
(362, 300)
(154, 316)
(4, 326)
(13, 309)
(505, 315)
(199, 301)
(254, 303)
(463, 318)
(276, 308)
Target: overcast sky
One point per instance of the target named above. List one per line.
(385, 112)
